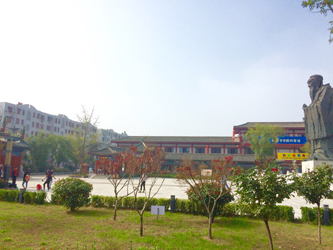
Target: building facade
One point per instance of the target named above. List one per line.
(205, 149)
(26, 118)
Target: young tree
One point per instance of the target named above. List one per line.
(207, 184)
(149, 163)
(124, 161)
(323, 6)
(315, 186)
(262, 190)
(85, 137)
(60, 148)
(38, 152)
(263, 138)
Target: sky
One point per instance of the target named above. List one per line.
(164, 68)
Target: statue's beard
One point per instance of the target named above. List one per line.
(313, 92)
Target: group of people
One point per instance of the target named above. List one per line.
(26, 177)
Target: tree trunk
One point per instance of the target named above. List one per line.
(115, 210)
(141, 224)
(210, 226)
(319, 224)
(269, 234)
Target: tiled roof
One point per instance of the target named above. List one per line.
(109, 151)
(280, 124)
(189, 139)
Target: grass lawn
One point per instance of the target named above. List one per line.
(53, 227)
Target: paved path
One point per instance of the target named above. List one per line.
(101, 186)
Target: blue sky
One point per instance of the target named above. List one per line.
(191, 68)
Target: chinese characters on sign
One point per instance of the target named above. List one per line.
(292, 156)
(292, 140)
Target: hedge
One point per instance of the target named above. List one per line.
(182, 205)
(309, 214)
(37, 198)
(188, 207)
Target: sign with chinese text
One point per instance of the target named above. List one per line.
(292, 140)
(292, 156)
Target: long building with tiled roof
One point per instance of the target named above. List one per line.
(206, 148)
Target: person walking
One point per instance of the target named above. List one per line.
(52, 176)
(14, 175)
(143, 183)
(26, 178)
(48, 179)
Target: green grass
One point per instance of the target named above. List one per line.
(53, 227)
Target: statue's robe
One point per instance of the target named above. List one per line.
(319, 123)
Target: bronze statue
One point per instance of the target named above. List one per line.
(319, 119)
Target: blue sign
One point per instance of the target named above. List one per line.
(292, 140)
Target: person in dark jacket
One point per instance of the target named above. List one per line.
(14, 175)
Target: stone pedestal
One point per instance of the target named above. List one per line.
(310, 165)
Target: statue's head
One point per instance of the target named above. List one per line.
(315, 83)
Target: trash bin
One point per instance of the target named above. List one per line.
(22, 190)
(173, 203)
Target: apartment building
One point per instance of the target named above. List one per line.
(25, 117)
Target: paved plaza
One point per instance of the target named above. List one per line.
(101, 186)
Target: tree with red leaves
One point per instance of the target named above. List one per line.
(118, 178)
(203, 182)
(150, 164)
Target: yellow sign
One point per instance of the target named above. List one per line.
(292, 156)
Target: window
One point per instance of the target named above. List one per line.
(65, 131)
(55, 129)
(49, 118)
(36, 133)
(184, 150)
(48, 128)
(34, 115)
(200, 150)
(248, 151)
(18, 111)
(17, 121)
(168, 149)
(66, 123)
(23, 112)
(37, 125)
(38, 116)
(58, 130)
(59, 121)
(42, 126)
(232, 151)
(33, 124)
(42, 117)
(215, 150)
(22, 122)
(10, 109)
(32, 132)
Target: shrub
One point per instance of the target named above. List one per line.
(3, 183)
(284, 213)
(97, 201)
(164, 202)
(73, 193)
(309, 214)
(37, 198)
(207, 189)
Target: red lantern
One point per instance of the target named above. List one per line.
(207, 149)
